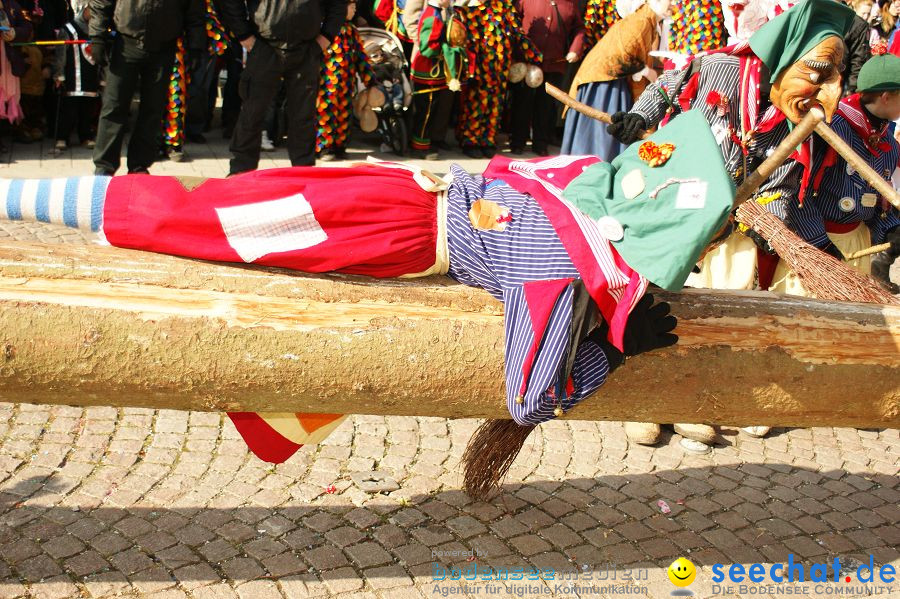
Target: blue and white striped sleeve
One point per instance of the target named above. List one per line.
(542, 394)
(808, 222)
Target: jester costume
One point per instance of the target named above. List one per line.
(697, 25)
(344, 61)
(599, 16)
(568, 244)
(390, 12)
(437, 69)
(494, 34)
(176, 107)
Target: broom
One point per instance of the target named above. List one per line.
(823, 276)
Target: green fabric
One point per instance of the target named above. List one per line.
(879, 74)
(785, 39)
(661, 241)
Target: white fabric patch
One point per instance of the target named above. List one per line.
(633, 184)
(261, 228)
(691, 196)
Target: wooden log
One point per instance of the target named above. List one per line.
(103, 326)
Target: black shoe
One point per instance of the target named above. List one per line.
(540, 150)
(227, 131)
(141, 170)
(516, 149)
(472, 151)
(489, 151)
(196, 138)
(103, 172)
(441, 145)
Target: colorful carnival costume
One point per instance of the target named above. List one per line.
(697, 26)
(602, 82)
(599, 16)
(176, 107)
(390, 12)
(344, 61)
(439, 66)
(569, 245)
(845, 214)
(494, 35)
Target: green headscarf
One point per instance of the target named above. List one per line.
(783, 40)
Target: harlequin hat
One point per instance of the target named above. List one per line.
(879, 74)
(660, 218)
(783, 40)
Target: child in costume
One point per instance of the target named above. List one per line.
(437, 69)
(569, 244)
(494, 35)
(844, 213)
(749, 95)
(77, 80)
(345, 60)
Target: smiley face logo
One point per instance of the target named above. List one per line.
(682, 572)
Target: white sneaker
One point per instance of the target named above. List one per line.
(266, 145)
(757, 431)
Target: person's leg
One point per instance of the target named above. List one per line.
(66, 119)
(258, 85)
(544, 115)
(302, 80)
(423, 104)
(521, 109)
(198, 99)
(121, 83)
(83, 108)
(231, 99)
(444, 102)
(156, 68)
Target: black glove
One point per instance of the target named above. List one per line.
(100, 51)
(893, 237)
(759, 241)
(832, 250)
(649, 327)
(626, 126)
(881, 270)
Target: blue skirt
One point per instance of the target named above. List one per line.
(584, 135)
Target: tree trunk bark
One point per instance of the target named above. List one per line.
(105, 326)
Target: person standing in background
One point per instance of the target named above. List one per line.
(284, 39)
(139, 57)
(557, 29)
(77, 80)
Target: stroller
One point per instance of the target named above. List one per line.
(386, 55)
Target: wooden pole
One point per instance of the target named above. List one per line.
(106, 326)
(868, 251)
(884, 189)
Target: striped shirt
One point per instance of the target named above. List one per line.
(840, 196)
(721, 73)
(502, 263)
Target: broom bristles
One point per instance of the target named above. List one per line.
(491, 451)
(822, 275)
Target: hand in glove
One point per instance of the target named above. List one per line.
(881, 270)
(99, 51)
(893, 237)
(760, 242)
(649, 327)
(832, 250)
(626, 126)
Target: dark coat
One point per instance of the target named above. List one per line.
(153, 23)
(284, 24)
(24, 30)
(858, 52)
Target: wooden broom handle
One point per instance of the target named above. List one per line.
(868, 251)
(782, 152)
(885, 189)
(584, 109)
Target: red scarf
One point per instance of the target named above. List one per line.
(876, 140)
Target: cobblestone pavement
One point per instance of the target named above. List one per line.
(105, 502)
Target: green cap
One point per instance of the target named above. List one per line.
(783, 40)
(660, 237)
(879, 74)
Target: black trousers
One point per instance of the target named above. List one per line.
(132, 68)
(534, 112)
(80, 112)
(432, 115)
(262, 76)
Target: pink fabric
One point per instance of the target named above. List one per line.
(9, 90)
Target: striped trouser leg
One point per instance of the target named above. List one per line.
(76, 202)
